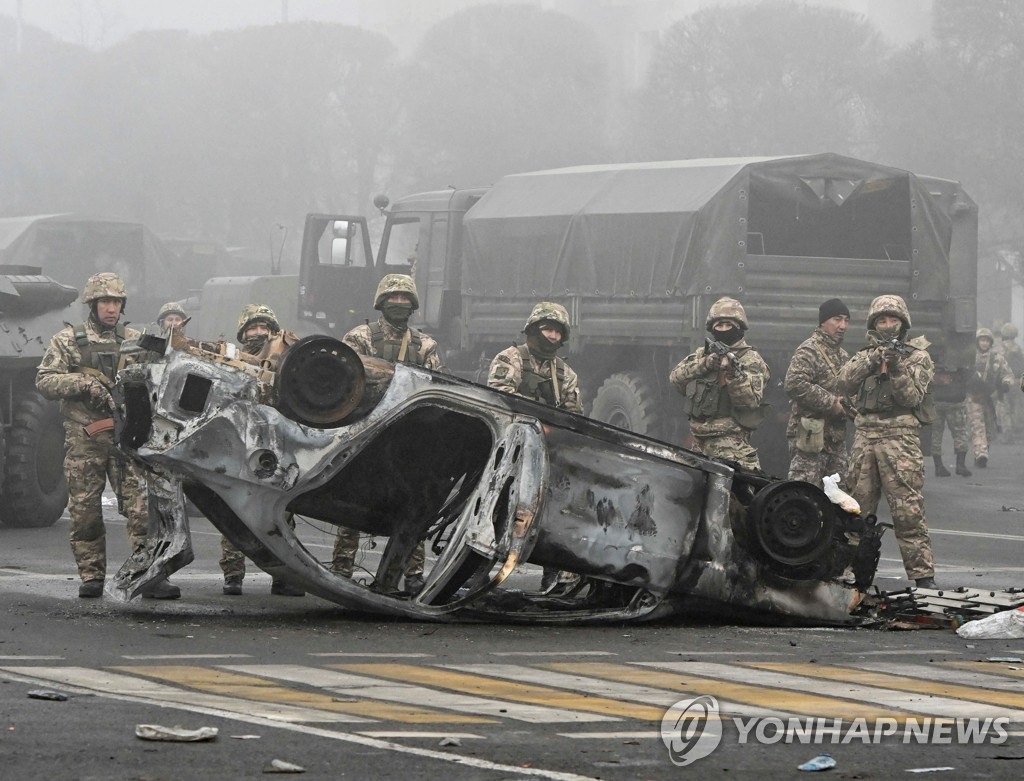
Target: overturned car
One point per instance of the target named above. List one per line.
(496, 485)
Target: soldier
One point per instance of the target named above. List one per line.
(723, 395)
(1011, 407)
(991, 376)
(259, 334)
(78, 369)
(171, 315)
(954, 415)
(534, 371)
(891, 396)
(393, 339)
(818, 415)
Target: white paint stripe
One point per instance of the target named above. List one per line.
(102, 682)
(357, 654)
(903, 652)
(553, 653)
(361, 686)
(610, 735)
(162, 657)
(346, 737)
(985, 535)
(842, 690)
(429, 735)
(945, 674)
(626, 692)
(31, 658)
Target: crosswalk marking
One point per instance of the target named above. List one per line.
(373, 688)
(1009, 671)
(248, 687)
(951, 673)
(736, 697)
(515, 692)
(103, 682)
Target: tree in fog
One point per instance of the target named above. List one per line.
(772, 78)
(501, 89)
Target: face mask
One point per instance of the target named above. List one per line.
(541, 346)
(397, 314)
(730, 337)
(892, 332)
(254, 344)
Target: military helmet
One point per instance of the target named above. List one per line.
(170, 308)
(256, 313)
(727, 309)
(889, 305)
(396, 283)
(984, 333)
(553, 313)
(1008, 331)
(106, 284)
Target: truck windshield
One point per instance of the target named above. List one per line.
(403, 245)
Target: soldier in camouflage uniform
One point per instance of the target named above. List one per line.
(723, 400)
(78, 369)
(951, 414)
(393, 339)
(1009, 407)
(171, 315)
(991, 376)
(260, 334)
(534, 371)
(890, 392)
(818, 415)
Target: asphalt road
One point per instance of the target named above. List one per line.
(354, 696)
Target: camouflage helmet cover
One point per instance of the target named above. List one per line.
(553, 313)
(1008, 331)
(170, 308)
(256, 313)
(984, 333)
(106, 284)
(727, 309)
(396, 283)
(888, 305)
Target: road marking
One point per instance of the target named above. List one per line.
(359, 686)
(357, 654)
(248, 687)
(102, 682)
(484, 686)
(1000, 668)
(985, 535)
(736, 697)
(17, 658)
(938, 699)
(429, 735)
(553, 653)
(167, 657)
(950, 672)
(611, 735)
(194, 706)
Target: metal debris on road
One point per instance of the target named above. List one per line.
(47, 694)
(175, 734)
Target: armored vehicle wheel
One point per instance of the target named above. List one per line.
(628, 401)
(35, 492)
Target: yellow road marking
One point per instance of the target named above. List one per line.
(249, 687)
(992, 668)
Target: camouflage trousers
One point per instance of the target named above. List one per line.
(893, 464)
(1010, 413)
(90, 462)
(981, 422)
(346, 545)
(729, 447)
(954, 416)
(232, 560)
(812, 467)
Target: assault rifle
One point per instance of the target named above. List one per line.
(893, 345)
(713, 346)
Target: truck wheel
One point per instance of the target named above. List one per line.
(628, 401)
(35, 491)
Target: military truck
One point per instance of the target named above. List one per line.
(638, 252)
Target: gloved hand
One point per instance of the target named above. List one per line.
(99, 396)
(712, 362)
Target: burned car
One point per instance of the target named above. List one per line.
(497, 486)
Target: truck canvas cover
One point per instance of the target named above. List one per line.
(687, 228)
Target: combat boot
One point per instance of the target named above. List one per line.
(981, 461)
(414, 584)
(925, 583)
(162, 590)
(91, 589)
(961, 465)
(940, 468)
(233, 587)
(284, 589)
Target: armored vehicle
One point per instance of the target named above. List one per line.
(637, 253)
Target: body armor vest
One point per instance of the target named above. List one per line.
(706, 398)
(536, 386)
(388, 349)
(101, 357)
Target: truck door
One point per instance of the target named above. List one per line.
(337, 278)
(415, 243)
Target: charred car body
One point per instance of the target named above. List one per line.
(491, 481)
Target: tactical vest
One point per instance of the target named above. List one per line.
(705, 397)
(875, 397)
(388, 349)
(538, 387)
(100, 357)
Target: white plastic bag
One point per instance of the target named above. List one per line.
(838, 496)
(1006, 625)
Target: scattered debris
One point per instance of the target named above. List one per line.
(1008, 624)
(244, 737)
(450, 742)
(175, 734)
(929, 769)
(280, 766)
(820, 762)
(1007, 659)
(921, 608)
(1010, 509)
(47, 694)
